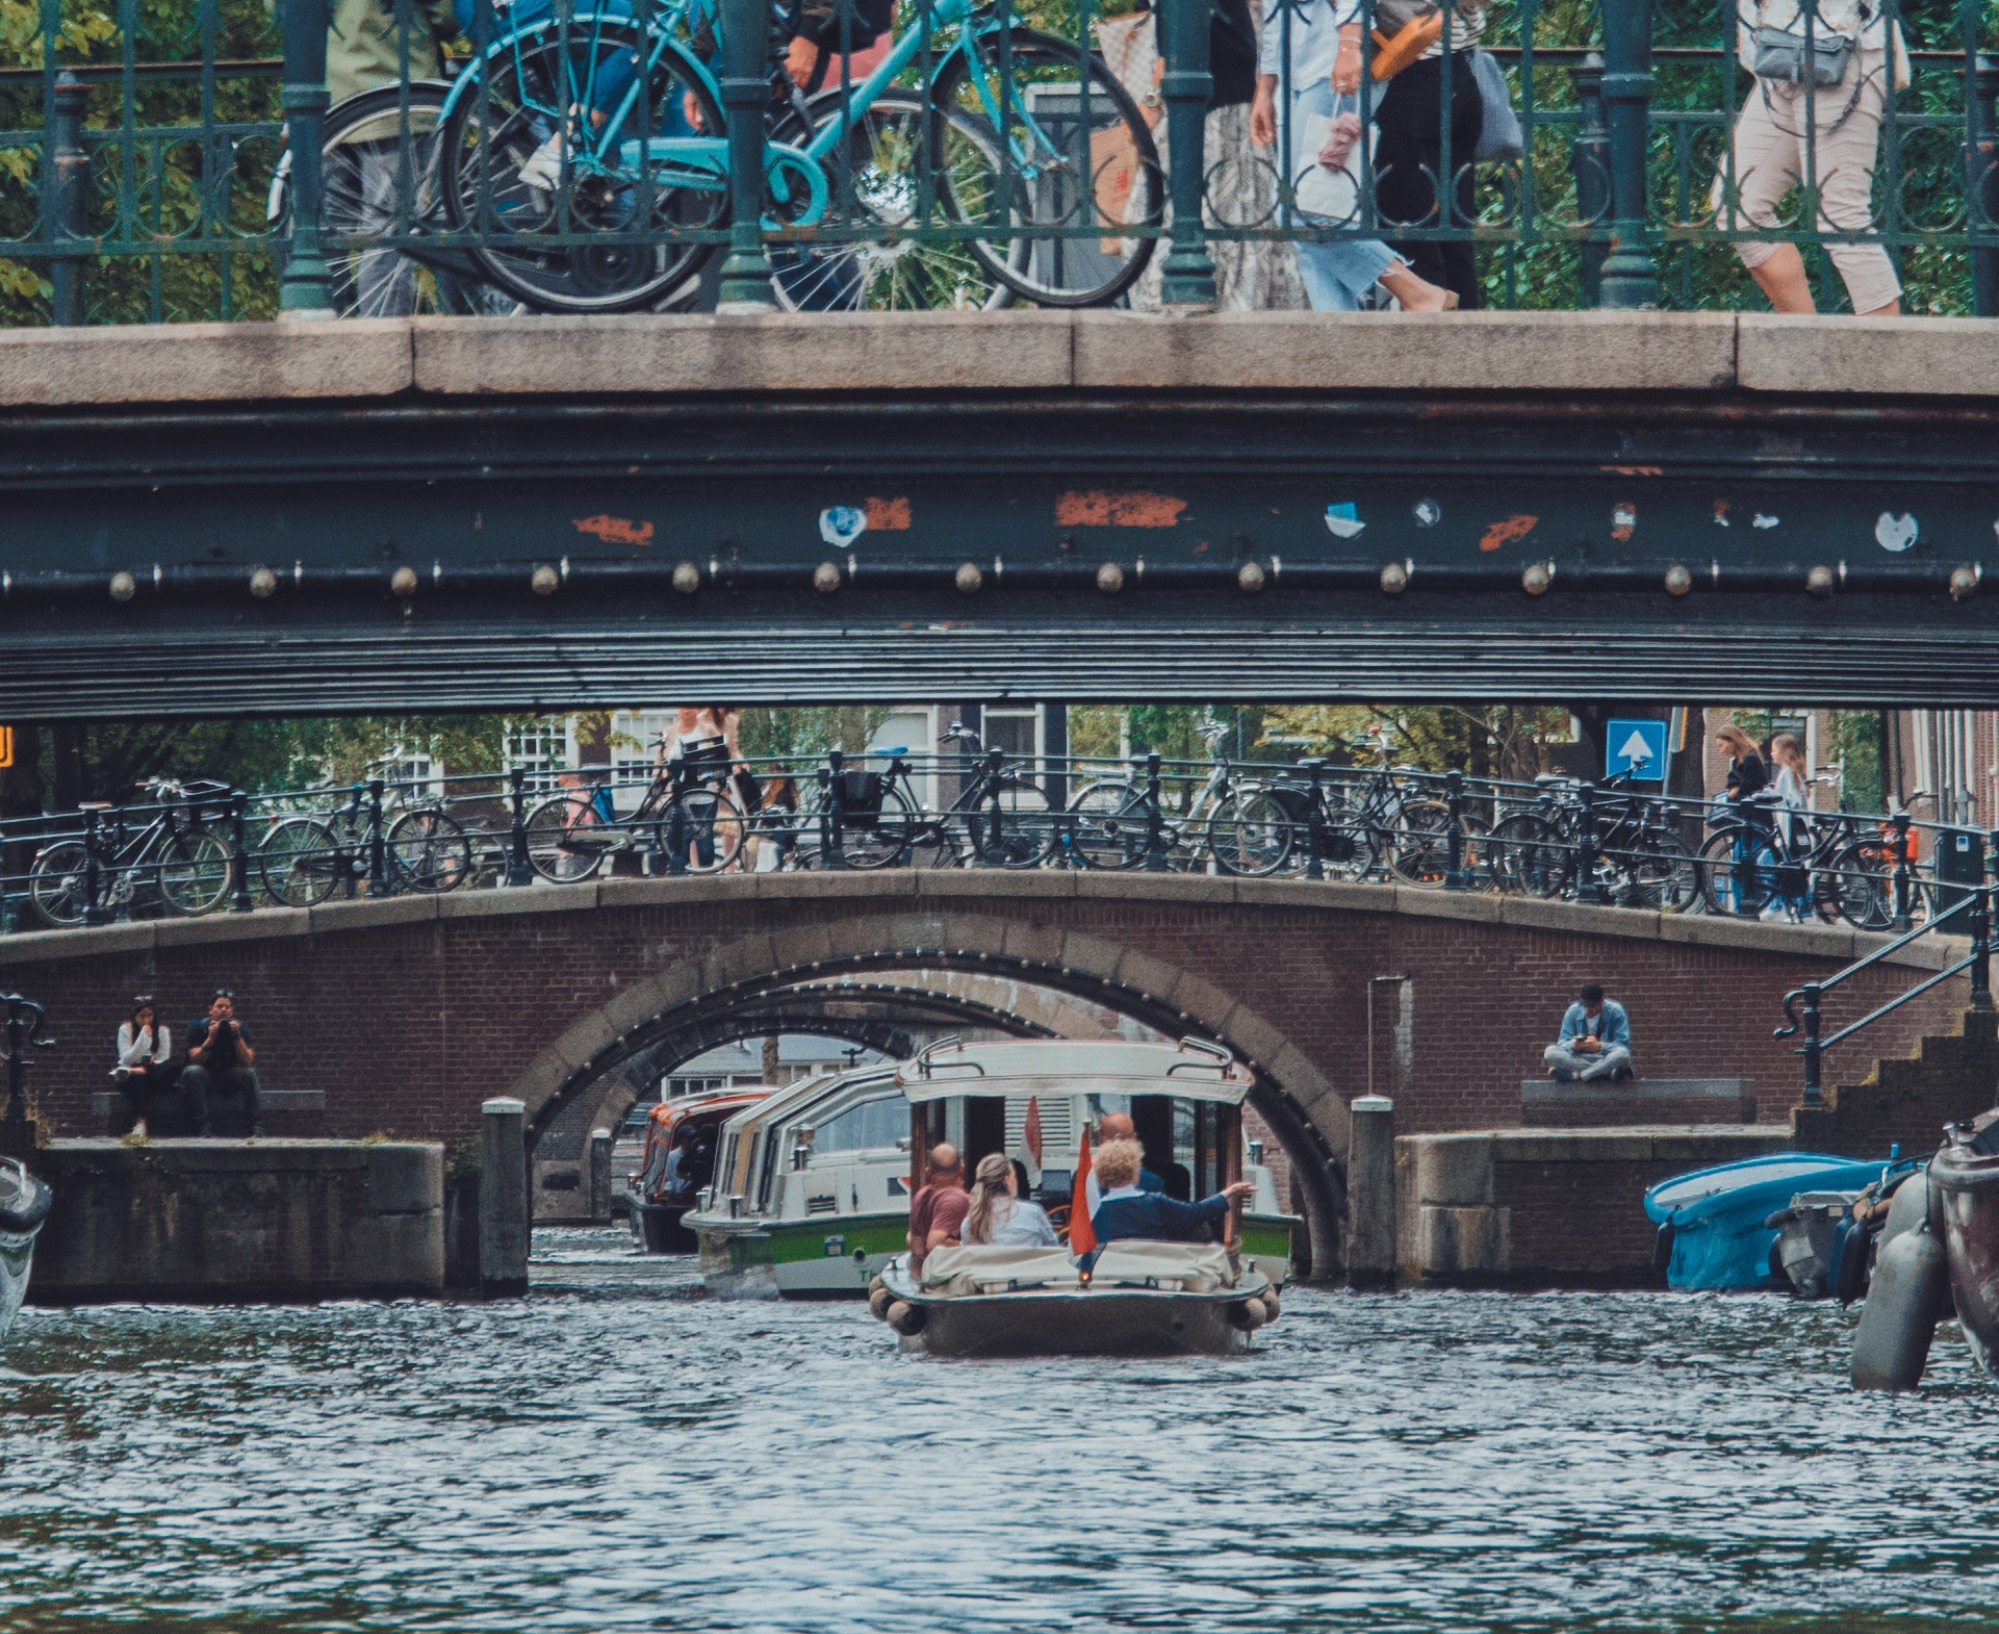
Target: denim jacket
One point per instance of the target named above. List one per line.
(1613, 1026)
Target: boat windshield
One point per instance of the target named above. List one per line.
(870, 1124)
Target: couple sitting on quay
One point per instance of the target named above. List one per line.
(1127, 1201)
(220, 1059)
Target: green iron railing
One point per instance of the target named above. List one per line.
(176, 162)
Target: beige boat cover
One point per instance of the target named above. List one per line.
(1195, 1268)
(987, 1268)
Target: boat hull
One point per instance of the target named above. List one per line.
(1965, 1185)
(657, 1228)
(798, 1259)
(1125, 1322)
(24, 1205)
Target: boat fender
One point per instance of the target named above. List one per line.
(1850, 1245)
(879, 1300)
(875, 1283)
(1911, 1283)
(1662, 1248)
(1909, 1205)
(1271, 1309)
(905, 1317)
(1249, 1314)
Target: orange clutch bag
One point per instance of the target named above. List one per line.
(1410, 42)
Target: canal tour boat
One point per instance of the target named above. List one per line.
(24, 1205)
(655, 1212)
(812, 1185)
(1128, 1298)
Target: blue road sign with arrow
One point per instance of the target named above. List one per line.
(1638, 747)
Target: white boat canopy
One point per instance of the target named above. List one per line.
(1192, 1070)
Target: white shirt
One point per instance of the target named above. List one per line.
(154, 1046)
(1021, 1224)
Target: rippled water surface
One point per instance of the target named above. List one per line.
(616, 1452)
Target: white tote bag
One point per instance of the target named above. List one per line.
(1321, 191)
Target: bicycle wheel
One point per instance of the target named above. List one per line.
(1528, 856)
(1738, 872)
(706, 826)
(299, 863)
(567, 839)
(1860, 882)
(595, 242)
(878, 837)
(1349, 845)
(1080, 186)
(1419, 851)
(1658, 873)
(1012, 826)
(194, 872)
(380, 178)
(428, 851)
(895, 170)
(1250, 833)
(1107, 825)
(56, 885)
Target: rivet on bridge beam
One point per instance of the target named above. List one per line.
(1536, 578)
(1250, 578)
(544, 581)
(263, 583)
(1110, 578)
(1964, 582)
(826, 578)
(969, 579)
(403, 582)
(1395, 578)
(123, 586)
(1819, 582)
(687, 578)
(1678, 580)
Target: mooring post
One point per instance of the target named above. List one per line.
(519, 870)
(601, 1141)
(503, 1198)
(24, 1028)
(1371, 1193)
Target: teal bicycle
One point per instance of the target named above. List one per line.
(980, 162)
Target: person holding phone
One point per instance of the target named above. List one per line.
(220, 1056)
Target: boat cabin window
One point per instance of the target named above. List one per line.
(868, 1125)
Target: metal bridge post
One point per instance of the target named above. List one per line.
(746, 84)
(67, 198)
(94, 911)
(121, 910)
(1629, 279)
(1454, 833)
(378, 854)
(519, 870)
(305, 287)
(239, 852)
(1589, 163)
(1981, 932)
(996, 841)
(24, 1027)
(1589, 879)
(1981, 182)
(675, 827)
(1315, 862)
(833, 812)
(1186, 85)
(1901, 843)
(1155, 817)
(1814, 1095)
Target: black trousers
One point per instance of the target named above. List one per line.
(198, 1083)
(1409, 159)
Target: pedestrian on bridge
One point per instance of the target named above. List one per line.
(1595, 1042)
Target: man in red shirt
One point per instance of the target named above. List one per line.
(937, 1211)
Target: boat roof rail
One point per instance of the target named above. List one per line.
(1191, 1069)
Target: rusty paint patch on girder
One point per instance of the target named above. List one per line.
(615, 530)
(888, 515)
(1513, 529)
(1123, 508)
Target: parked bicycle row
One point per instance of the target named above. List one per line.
(197, 847)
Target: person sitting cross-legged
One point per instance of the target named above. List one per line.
(1128, 1212)
(1595, 1041)
(220, 1057)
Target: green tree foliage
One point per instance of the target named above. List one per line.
(777, 734)
(1503, 741)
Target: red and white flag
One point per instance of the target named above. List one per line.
(1082, 1235)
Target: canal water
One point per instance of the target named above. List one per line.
(616, 1452)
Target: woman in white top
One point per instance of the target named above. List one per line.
(999, 1214)
(1828, 142)
(144, 1050)
(1787, 755)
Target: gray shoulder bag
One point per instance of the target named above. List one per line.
(1784, 55)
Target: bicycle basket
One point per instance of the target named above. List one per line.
(706, 752)
(861, 796)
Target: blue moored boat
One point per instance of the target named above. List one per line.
(1712, 1230)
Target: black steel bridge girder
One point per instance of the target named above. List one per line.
(419, 555)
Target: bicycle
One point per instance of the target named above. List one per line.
(1002, 139)
(689, 810)
(1639, 860)
(1385, 826)
(175, 853)
(303, 860)
(998, 819)
(1110, 822)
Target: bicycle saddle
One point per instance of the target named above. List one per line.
(899, 749)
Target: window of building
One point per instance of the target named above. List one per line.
(1013, 728)
(541, 751)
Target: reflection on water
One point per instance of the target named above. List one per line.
(615, 1452)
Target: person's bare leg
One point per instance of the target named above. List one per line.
(1782, 278)
(1892, 310)
(1416, 294)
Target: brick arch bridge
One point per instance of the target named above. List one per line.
(409, 1012)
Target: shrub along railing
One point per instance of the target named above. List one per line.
(182, 161)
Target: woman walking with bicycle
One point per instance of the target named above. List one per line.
(1747, 778)
(1792, 901)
